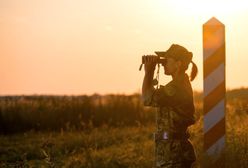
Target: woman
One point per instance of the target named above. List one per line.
(175, 107)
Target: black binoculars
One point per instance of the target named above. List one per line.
(155, 59)
(158, 59)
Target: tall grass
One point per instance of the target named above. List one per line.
(22, 113)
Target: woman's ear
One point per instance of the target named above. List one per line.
(179, 64)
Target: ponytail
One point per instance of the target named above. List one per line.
(194, 71)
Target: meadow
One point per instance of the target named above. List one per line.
(102, 131)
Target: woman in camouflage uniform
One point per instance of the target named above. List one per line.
(176, 108)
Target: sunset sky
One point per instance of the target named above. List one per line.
(78, 47)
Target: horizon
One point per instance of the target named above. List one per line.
(116, 94)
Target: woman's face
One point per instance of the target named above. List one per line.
(171, 66)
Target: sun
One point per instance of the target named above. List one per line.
(206, 8)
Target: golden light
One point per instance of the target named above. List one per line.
(206, 8)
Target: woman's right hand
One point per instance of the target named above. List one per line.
(150, 62)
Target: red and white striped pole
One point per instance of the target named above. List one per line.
(214, 92)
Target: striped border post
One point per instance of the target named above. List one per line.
(214, 92)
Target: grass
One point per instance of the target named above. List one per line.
(99, 147)
(118, 146)
(109, 147)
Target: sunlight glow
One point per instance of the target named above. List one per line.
(208, 8)
(87, 47)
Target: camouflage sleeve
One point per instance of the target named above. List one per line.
(148, 97)
(159, 97)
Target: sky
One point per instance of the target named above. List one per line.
(75, 47)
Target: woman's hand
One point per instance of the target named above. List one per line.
(150, 62)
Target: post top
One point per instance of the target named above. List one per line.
(213, 22)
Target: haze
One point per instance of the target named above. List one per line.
(86, 47)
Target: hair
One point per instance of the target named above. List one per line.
(194, 71)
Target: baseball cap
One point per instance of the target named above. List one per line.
(176, 52)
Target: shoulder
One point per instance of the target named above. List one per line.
(170, 89)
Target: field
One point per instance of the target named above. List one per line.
(102, 141)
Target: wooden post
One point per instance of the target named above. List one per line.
(214, 89)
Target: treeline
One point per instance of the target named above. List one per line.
(54, 113)
(22, 113)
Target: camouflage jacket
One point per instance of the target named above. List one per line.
(175, 102)
(175, 114)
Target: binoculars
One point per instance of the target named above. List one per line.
(158, 59)
(154, 59)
